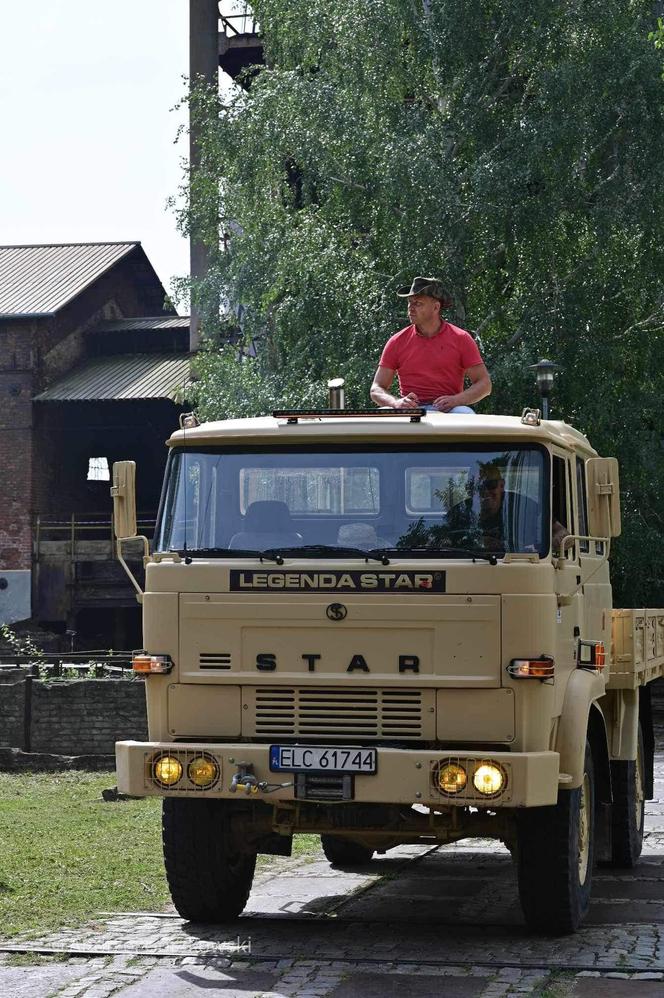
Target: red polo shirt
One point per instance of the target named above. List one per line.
(431, 366)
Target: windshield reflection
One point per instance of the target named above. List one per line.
(355, 501)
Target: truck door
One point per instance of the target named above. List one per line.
(596, 587)
(567, 574)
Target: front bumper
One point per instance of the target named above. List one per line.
(403, 776)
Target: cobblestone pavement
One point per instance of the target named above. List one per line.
(416, 922)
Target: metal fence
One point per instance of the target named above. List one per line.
(89, 527)
(96, 663)
(238, 24)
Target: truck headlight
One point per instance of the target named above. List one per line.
(489, 779)
(167, 770)
(452, 778)
(203, 771)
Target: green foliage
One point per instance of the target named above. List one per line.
(516, 149)
(657, 37)
(20, 645)
(232, 385)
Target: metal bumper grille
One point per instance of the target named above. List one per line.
(338, 713)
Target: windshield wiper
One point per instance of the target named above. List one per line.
(454, 552)
(271, 555)
(373, 554)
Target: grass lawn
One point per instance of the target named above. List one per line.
(66, 855)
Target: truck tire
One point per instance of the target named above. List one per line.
(208, 876)
(628, 808)
(342, 852)
(555, 850)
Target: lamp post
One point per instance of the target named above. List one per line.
(544, 374)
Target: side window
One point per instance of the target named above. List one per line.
(98, 470)
(582, 499)
(560, 521)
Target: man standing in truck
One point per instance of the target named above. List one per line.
(431, 357)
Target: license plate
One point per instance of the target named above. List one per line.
(321, 759)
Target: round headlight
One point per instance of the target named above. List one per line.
(167, 770)
(488, 779)
(452, 778)
(203, 771)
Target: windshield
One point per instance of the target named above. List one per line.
(415, 500)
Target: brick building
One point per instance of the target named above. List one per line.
(93, 367)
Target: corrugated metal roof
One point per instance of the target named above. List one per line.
(39, 280)
(126, 376)
(143, 322)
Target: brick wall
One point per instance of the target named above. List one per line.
(16, 389)
(12, 706)
(77, 717)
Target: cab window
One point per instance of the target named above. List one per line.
(582, 500)
(560, 519)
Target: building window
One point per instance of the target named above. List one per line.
(98, 470)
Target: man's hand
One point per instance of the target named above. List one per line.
(409, 401)
(445, 403)
(380, 394)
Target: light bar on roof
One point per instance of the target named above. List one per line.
(293, 415)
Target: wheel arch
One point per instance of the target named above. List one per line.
(597, 736)
(582, 719)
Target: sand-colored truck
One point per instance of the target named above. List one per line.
(389, 627)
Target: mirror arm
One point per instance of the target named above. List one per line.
(146, 555)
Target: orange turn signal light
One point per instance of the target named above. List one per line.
(532, 668)
(142, 662)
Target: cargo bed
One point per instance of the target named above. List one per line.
(637, 648)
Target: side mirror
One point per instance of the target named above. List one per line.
(123, 492)
(603, 497)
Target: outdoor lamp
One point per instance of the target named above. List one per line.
(544, 374)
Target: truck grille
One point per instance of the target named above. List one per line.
(337, 713)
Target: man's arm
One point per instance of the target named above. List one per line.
(380, 394)
(479, 388)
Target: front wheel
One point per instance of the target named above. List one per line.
(555, 857)
(209, 874)
(628, 809)
(343, 852)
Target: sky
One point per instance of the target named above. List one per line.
(87, 126)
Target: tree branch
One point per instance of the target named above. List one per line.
(653, 321)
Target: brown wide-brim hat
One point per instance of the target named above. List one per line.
(430, 286)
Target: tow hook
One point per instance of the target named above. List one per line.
(244, 777)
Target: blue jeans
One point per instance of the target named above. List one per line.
(457, 409)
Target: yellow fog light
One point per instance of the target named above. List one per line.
(203, 771)
(452, 778)
(167, 770)
(488, 779)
